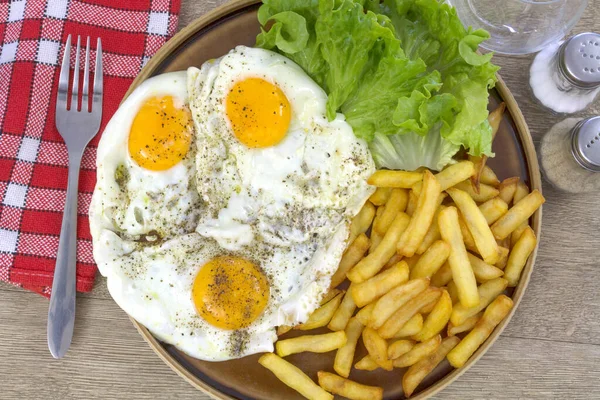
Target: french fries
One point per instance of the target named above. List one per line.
(407, 311)
(366, 364)
(488, 291)
(364, 314)
(504, 252)
(412, 203)
(521, 191)
(437, 319)
(493, 209)
(431, 261)
(483, 271)
(462, 273)
(361, 221)
(422, 217)
(486, 192)
(351, 257)
(466, 234)
(347, 388)
(517, 214)
(488, 176)
(417, 372)
(494, 119)
(465, 326)
(377, 348)
(387, 305)
(518, 257)
(374, 262)
(293, 377)
(492, 316)
(432, 234)
(345, 354)
(399, 348)
(450, 175)
(329, 295)
(311, 343)
(452, 292)
(395, 204)
(418, 352)
(394, 179)
(375, 287)
(344, 312)
(322, 315)
(410, 328)
(477, 224)
(442, 276)
(507, 189)
(380, 196)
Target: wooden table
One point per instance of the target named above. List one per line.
(551, 349)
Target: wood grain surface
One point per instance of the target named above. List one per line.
(550, 350)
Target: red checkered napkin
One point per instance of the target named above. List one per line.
(33, 157)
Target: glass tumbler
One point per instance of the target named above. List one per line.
(520, 26)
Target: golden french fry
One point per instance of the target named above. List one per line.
(427, 309)
(411, 327)
(433, 233)
(518, 257)
(293, 377)
(345, 354)
(418, 352)
(412, 261)
(488, 291)
(347, 388)
(422, 217)
(311, 343)
(450, 176)
(493, 209)
(517, 214)
(354, 253)
(477, 224)
(361, 221)
(442, 276)
(366, 364)
(486, 192)
(394, 299)
(322, 315)
(437, 318)
(492, 316)
(466, 234)
(376, 239)
(407, 311)
(400, 347)
(465, 326)
(395, 204)
(364, 314)
(452, 292)
(507, 189)
(329, 296)
(396, 258)
(344, 312)
(380, 196)
(374, 262)
(516, 234)
(417, 372)
(504, 252)
(283, 329)
(377, 348)
(521, 191)
(413, 199)
(494, 119)
(431, 261)
(488, 176)
(483, 271)
(462, 273)
(375, 287)
(394, 179)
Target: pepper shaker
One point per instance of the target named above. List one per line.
(570, 155)
(565, 77)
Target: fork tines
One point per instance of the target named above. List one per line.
(63, 83)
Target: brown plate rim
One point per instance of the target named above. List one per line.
(532, 166)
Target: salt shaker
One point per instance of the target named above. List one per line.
(565, 76)
(570, 155)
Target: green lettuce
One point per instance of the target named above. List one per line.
(405, 73)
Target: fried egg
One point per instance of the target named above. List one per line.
(267, 189)
(145, 164)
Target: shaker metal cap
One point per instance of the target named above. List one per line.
(586, 143)
(579, 60)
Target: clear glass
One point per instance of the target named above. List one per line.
(520, 26)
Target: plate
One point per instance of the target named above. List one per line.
(212, 36)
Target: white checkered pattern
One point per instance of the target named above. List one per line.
(8, 241)
(29, 149)
(15, 195)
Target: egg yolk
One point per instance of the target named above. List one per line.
(160, 136)
(259, 112)
(230, 292)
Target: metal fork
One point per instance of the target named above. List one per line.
(77, 127)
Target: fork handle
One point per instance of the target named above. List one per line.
(61, 314)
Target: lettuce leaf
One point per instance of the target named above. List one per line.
(405, 73)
